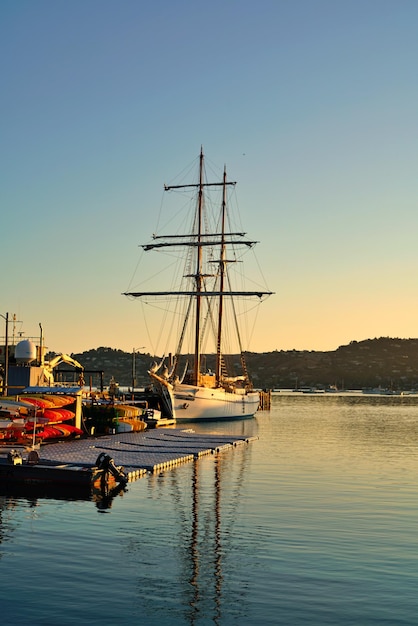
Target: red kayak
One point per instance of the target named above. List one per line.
(67, 430)
(49, 432)
(67, 415)
(41, 403)
(58, 431)
(57, 415)
(58, 400)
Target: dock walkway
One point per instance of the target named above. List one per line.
(141, 452)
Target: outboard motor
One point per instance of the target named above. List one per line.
(106, 463)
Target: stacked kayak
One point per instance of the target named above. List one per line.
(48, 409)
(113, 417)
(58, 431)
(41, 416)
(128, 418)
(13, 418)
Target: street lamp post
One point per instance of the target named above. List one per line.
(6, 356)
(134, 369)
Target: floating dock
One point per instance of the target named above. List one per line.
(133, 454)
(147, 451)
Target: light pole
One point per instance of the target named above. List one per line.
(6, 355)
(133, 369)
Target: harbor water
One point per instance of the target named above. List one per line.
(314, 523)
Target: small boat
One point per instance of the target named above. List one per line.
(153, 419)
(206, 299)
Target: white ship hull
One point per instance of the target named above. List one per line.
(192, 403)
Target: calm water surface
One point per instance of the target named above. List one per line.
(315, 523)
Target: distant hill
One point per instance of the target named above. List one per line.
(386, 362)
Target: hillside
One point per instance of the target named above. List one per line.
(382, 362)
(391, 363)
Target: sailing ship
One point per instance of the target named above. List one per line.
(189, 390)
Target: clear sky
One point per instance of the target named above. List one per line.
(312, 104)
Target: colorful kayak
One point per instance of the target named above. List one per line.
(41, 403)
(68, 430)
(59, 400)
(49, 432)
(130, 425)
(56, 416)
(67, 415)
(58, 431)
(126, 410)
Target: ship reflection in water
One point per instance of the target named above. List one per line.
(197, 544)
(201, 592)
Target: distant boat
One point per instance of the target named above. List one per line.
(191, 391)
(332, 389)
(381, 391)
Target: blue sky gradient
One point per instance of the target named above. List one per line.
(312, 104)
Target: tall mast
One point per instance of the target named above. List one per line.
(196, 370)
(200, 240)
(221, 283)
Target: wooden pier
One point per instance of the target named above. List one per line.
(265, 400)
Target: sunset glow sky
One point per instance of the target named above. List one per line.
(312, 104)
